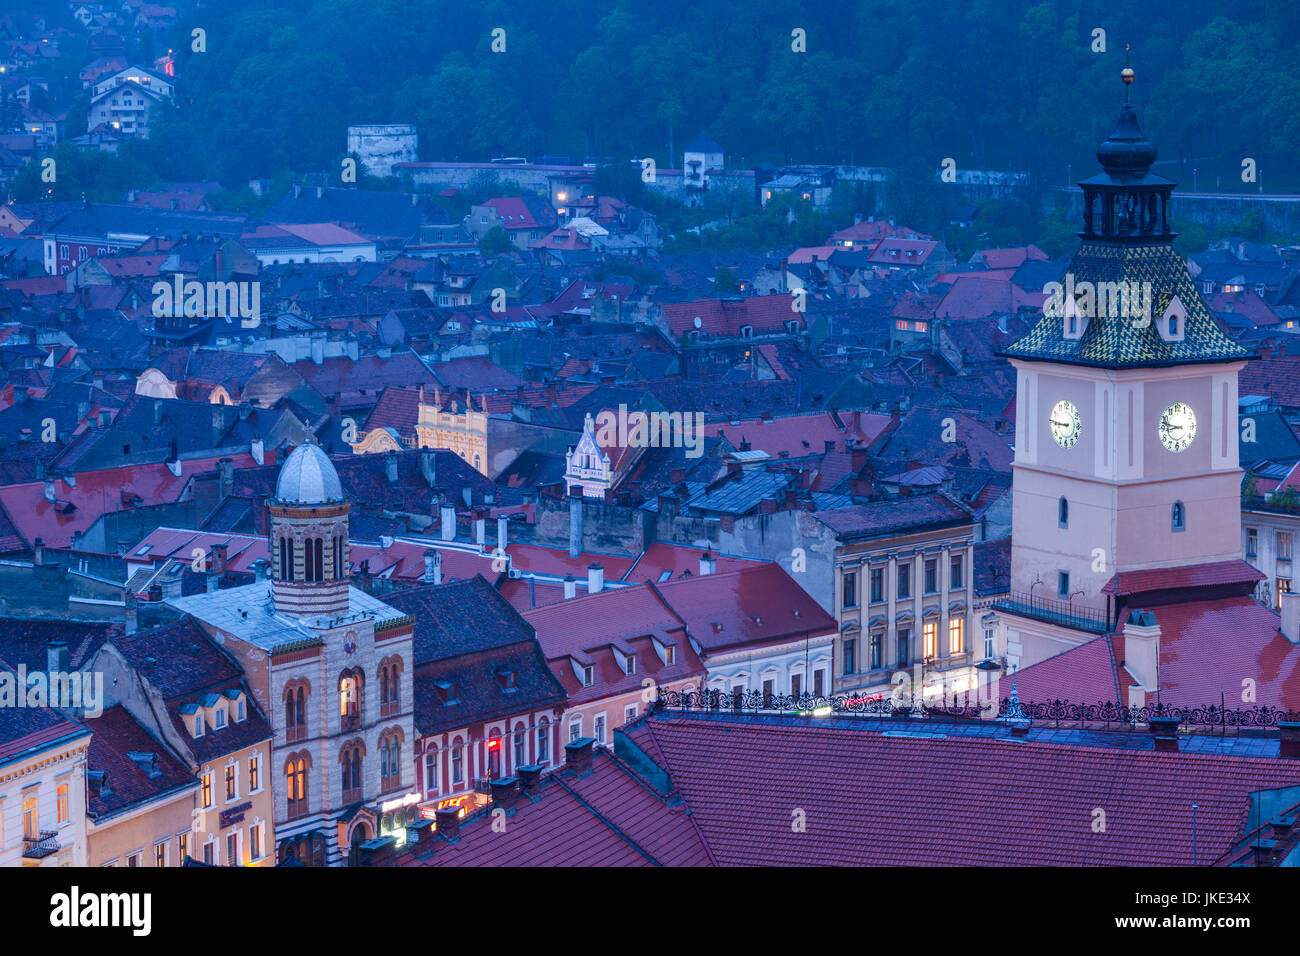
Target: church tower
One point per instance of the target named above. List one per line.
(309, 537)
(1126, 408)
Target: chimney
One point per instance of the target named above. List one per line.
(20, 394)
(830, 445)
(447, 823)
(502, 526)
(530, 778)
(1142, 648)
(56, 657)
(49, 490)
(130, 622)
(575, 525)
(218, 425)
(505, 792)
(245, 410)
(448, 516)
(1165, 732)
(225, 477)
(570, 587)
(377, 852)
(595, 579)
(1291, 615)
(390, 466)
(577, 755)
(677, 476)
(429, 465)
(432, 567)
(318, 350)
(171, 584)
(418, 835)
(38, 552)
(217, 553)
(257, 449)
(259, 570)
(480, 530)
(708, 563)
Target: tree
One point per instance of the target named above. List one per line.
(495, 242)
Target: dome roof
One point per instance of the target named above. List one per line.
(1127, 154)
(308, 477)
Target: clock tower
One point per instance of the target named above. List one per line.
(1126, 407)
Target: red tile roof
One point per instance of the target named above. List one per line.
(1010, 258)
(755, 606)
(946, 802)
(609, 817)
(800, 435)
(725, 317)
(1191, 576)
(97, 492)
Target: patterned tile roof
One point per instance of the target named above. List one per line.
(1118, 342)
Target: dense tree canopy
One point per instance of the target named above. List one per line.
(991, 83)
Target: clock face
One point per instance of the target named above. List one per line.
(1177, 426)
(1065, 424)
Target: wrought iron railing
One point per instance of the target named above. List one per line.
(43, 844)
(1065, 613)
(959, 706)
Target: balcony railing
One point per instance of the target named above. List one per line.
(43, 844)
(1054, 612)
(482, 784)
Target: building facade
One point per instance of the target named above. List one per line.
(331, 665)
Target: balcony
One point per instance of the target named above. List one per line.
(1054, 612)
(43, 844)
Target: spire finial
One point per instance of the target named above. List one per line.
(1126, 74)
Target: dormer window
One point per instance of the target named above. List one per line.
(588, 676)
(219, 718)
(631, 664)
(198, 724)
(1172, 324)
(1076, 321)
(239, 711)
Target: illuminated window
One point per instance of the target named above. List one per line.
(348, 697)
(182, 846)
(930, 639)
(207, 790)
(296, 786)
(1283, 587)
(254, 768)
(956, 636)
(160, 854)
(61, 804)
(922, 326)
(231, 787)
(903, 325)
(31, 828)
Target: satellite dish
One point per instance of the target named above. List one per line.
(699, 323)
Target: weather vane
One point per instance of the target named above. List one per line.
(1126, 74)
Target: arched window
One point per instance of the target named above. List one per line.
(351, 703)
(295, 709)
(338, 557)
(1063, 513)
(350, 766)
(295, 779)
(1178, 516)
(286, 559)
(313, 559)
(1173, 325)
(521, 755)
